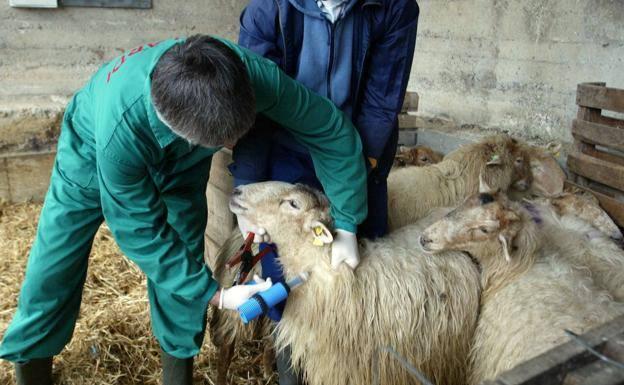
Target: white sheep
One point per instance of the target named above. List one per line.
(547, 181)
(423, 307)
(583, 245)
(413, 191)
(530, 290)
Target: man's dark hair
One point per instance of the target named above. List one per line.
(202, 90)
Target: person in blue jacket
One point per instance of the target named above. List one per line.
(358, 53)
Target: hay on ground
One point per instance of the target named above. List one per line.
(112, 342)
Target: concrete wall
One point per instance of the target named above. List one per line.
(514, 64)
(46, 54)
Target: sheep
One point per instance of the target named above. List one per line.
(416, 156)
(547, 184)
(584, 245)
(584, 206)
(547, 177)
(425, 308)
(413, 191)
(226, 328)
(530, 291)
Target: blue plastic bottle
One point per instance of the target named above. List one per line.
(264, 300)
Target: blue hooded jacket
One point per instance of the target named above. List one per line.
(362, 63)
(384, 35)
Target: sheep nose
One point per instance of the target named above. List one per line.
(424, 241)
(236, 192)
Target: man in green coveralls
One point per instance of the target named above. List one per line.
(135, 151)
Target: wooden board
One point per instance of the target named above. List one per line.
(407, 121)
(219, 174)
(25, 177)
(552, 367)
(591, 150)
(211, 248)
(597, 373)
(596, 133)
(220, 218)
(5, 191)
(411, 102)
(613, 207)
(144, 4)
(597, 169)
(596, 95)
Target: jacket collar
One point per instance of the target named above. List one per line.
(310, 8)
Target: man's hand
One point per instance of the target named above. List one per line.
(235, 296)
(246, 227)
(345, 249)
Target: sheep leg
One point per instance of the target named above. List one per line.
(226, 353)
(268, 359)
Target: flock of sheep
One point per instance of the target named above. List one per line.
(489, 258)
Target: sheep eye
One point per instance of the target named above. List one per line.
(293, 204)
(424, 159)
(519, 161)
(484, 230)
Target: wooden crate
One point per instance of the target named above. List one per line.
(572, 363)
(597, 164)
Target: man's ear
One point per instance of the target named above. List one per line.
(320, 232)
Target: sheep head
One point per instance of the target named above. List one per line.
(503, 163)
(494, 231)
(547, 176)
(416, 156)
(484, 225)
(296, 217)
(522, 177)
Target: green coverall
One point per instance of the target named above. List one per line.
(118, 162)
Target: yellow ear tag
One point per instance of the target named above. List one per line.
(318, 231)
(317, 242)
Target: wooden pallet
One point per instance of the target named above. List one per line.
(597, 164)
(572, 363)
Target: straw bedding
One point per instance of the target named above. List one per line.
(112, 343)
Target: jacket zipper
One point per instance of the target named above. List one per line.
(279, 19)
(331, 59)
(367, 44)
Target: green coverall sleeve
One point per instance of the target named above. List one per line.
(331, 138)
(137, 217)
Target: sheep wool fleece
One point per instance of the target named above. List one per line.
(116, 161)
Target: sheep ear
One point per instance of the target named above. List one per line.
(553, 148)
(494, 160)
(505, 243)
(322, 235)
(484, 188)
(402, 149)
